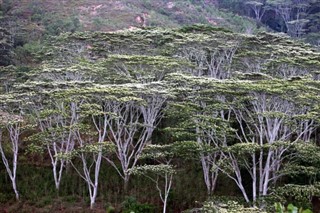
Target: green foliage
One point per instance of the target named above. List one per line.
(290, 209)
(160, 169)
(28, 52)
(6, 47)
(106, 74)
(181, 149)
(6, 6)
(131, 205)
(93, 148)
(55, 25)
(299, 194)
(34, 148)
(228, 207)
(110, 209)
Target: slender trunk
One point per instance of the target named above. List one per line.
(165, 205)
(206, 174)
(260, 173)
(168, 184)
(14, 169)
(254, 180)
(14, 186)
(267, 173)
(96, 180)
(58, 175)
(14, 132)
(92, 202)
(94, 195)
(238, 179)
(214, 177)
(244, 193)
(126, 183)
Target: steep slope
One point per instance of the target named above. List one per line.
(53, 17)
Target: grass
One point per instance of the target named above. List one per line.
(38, 193)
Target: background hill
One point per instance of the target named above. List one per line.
(32, 19)
(26, 22)
(108, 15)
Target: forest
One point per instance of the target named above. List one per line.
(173, 114)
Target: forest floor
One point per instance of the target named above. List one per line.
(55, 206)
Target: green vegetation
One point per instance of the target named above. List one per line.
(290, 208)
(299, 19)
(33, 20)
(152, 105)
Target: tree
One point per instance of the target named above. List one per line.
(162, 173)
(124, 115)
(55, 119)
(141, 68)
(269, 116)
(270, 120)
(131, 115)
(293, 13)
(90, 154)
(258, 9)
(284, 60)
(158, 174)
(304, 189)
(61, 115)
(203, 117)
(212, 58)
(81, 141)
(11, 122)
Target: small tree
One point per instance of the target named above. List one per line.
(11, 124)
(131, 119)
(258, 9)
(293, 13)
(55, 114)
(161, 175)
(203, 116)
(213, 58)
(56, 135)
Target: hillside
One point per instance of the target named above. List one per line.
(53, 17)
(114, 15)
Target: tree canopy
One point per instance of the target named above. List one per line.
(156, 102)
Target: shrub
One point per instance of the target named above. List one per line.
(130, 205)
(290, 209)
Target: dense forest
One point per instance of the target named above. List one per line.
(159, 106)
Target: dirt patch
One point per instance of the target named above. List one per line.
(118, 5)
(211, 21)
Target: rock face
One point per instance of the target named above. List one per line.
(141, 20)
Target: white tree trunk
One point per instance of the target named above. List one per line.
(14, 133)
